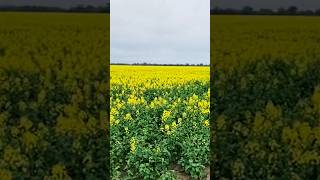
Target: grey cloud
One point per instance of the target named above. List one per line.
(160, 31)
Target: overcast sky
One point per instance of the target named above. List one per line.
(59, 3)
(272, 4)
(160, 31)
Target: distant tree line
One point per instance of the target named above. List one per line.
(151, 64)
(248, 10)
(79, 8)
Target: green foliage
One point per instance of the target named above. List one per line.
(155, 127)
(272, 128)
(266, 102)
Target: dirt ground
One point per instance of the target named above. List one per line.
(181, 175)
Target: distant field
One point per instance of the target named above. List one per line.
(159, 121)
(53, 89)
(239, 39)
(266, 97)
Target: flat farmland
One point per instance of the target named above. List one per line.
(53, 95)
(266, 84)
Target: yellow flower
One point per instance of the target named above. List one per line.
(272, 111)
(59, 172)
(167, 127)
(25, 123)
(206, 123)
(152, 105)
(5, 174)
(29, 140)
(13, 157)
(128, 117)
(58, 169)
(133, 144)
(174, 125)
(166, 114)
(66, 125)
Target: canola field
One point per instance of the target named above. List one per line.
(159, 120)
(53, 95)
(266, 100)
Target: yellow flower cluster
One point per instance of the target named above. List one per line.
(158, 102)
(141, 78)
(206, 123)
(58, 171)
(5, 174)
(165, 115)
(128, 117)
(133, 144)
(132, 82)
